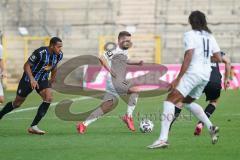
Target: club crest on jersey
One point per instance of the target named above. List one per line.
(48, 67)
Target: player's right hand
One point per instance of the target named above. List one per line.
(140, 63)
(34, 84)
(226, 84)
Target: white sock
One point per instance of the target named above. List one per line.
(93, 116)
(132, 104)
(198, 112)
(167, 117)
(130, 110)
(89, 121)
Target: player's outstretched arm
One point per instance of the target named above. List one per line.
(53, 75)
(216, 57)
(227, 63)
(104, 63)
(130, 62)
(184, 67)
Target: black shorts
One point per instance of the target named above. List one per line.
(24, 87)
(212, 91)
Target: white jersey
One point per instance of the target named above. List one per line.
(110, 54)
(204, 45)
(116, 60)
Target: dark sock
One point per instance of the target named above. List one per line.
(6, 109)
(209, 111)
(176, 115)
(42, 110)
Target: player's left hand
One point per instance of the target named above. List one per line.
(140, 63)
(226, 84)
(34, 84)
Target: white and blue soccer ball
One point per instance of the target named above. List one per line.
(146, 126)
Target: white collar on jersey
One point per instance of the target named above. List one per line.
(201, 32)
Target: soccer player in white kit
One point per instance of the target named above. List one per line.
(115, 62)
(200, 48)
(2, 74)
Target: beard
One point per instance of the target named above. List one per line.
(126, 45)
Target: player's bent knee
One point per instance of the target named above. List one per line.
(16, 104)
(175, 97)
(109, 105)
(214, 103)
(48, 99)
(1, 99)
(18, 101)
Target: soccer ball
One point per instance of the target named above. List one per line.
(146, 126)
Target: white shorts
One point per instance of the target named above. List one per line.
(109, 97)
(1, 89)
(191, 85)
(119, 87)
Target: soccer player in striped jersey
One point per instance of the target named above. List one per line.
(213, 89)
(40, 64)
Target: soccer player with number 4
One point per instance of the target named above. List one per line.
(200, 49)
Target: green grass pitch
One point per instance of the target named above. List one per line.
(109, 139)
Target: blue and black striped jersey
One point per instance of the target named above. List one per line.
(42, 63)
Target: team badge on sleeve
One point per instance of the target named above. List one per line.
(33, 58)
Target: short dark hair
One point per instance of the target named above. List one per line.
(198, 21)
(123, 33)
(54, 40)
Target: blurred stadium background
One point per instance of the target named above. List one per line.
(86, 25)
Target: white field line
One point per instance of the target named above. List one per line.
(53, 118)
(84, 98)
(52, 105)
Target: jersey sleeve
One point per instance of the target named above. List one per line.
(108, 55)
(188, 40)
(215, 47)
(34, 58)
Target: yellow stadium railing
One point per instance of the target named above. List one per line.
(7, 41)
